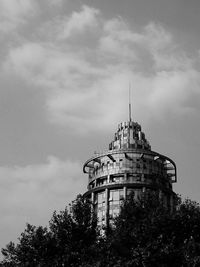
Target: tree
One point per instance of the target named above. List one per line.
(31, 250)
(74, 233)
(145, 234)
(68, 241)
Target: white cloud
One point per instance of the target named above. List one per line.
(172, 91)
(118, 40)
(31, 193)
(154, 43)
(16, 8)
(78, 22)
(26, 59)
(86, 83)
(46, 66)
(96, 108)
(120, 30)
(157, 37)
(15, 12)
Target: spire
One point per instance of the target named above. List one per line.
(130, 101)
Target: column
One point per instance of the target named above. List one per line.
(92, 197)
(92, 200)
(125, 177)
(125, 192)
(107, 206)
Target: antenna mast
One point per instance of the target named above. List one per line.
(130, 101)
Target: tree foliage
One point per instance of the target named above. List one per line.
(145, 234)
(67, 242)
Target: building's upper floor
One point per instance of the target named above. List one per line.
(129, 135)
(130, 160)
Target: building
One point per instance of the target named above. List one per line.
(128, 165)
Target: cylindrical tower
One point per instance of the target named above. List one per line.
(129, 165)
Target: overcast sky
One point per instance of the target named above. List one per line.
(65, 67)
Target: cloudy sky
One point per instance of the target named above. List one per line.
(65, 67)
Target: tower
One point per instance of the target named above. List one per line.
(128, 165)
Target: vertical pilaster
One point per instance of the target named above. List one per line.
(107, 206)
(92, 201)
(92, 197)
(125, 176)
(142, 178)
(125, 192)
(108, 178)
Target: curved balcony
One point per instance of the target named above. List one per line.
(135, 162)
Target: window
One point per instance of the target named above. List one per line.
(101, 197)
(101, 206)
(115, 201)
(137, 193)
(115, 195)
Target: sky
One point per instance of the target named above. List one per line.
(65, 69)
